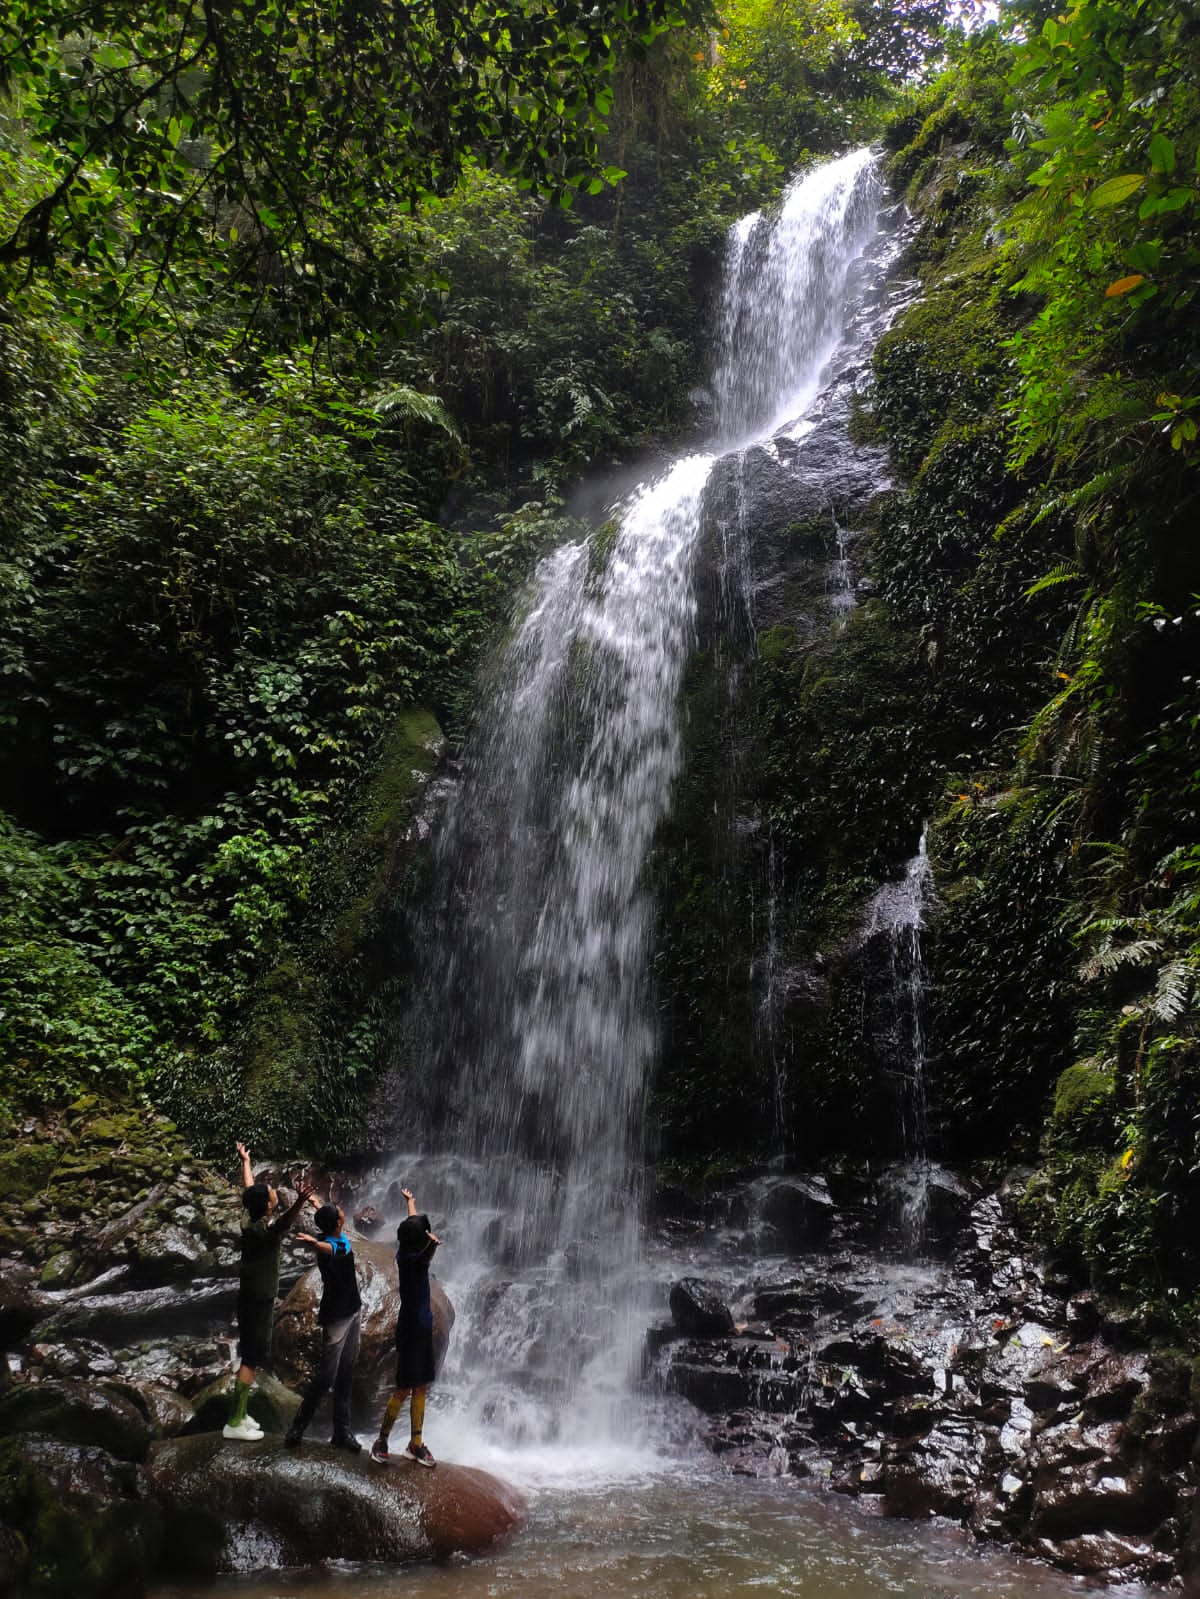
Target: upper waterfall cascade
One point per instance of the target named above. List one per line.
(537, 1028)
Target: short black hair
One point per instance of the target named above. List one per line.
(326, 1217)
(410, 1235)
(256, 1198)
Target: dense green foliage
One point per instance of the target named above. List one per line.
(312, 315)
(1041, 402)
(184, 145)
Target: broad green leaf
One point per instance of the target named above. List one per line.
(1162, 153)
(1115, 190)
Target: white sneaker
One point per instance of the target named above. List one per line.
(247, 1430)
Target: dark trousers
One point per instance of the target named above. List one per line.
(339, 1348)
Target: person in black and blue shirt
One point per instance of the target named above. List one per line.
(415, 1245)
(340, 1318)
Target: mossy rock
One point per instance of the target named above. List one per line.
(25, 1169)
(776, 642)
(1082, 1089)
(77, 1412)
(74, 1528)
(272, 1405)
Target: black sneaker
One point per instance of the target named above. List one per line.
(379, 1452)
(293, 1438)
(420, 1454)
(346, 1441)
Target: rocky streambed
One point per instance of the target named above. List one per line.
(970, 1382)
(117, 1293)
(954, 1375)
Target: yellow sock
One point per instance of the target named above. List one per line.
(417, 1415)
(392, 1411)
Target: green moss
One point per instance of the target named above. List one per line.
(1081, 1091)
(600, 545)
(73, 1545)
(25, 1169)
(310, 1043)
(776, 642)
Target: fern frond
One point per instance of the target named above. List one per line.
(1074, 498)
(1113, 956)
(1174, 991)
(409, 405)
(1062, 573)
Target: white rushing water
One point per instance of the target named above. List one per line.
(897, 915)
(523, 1134)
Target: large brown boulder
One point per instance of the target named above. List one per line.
(244, 1507)
(297, 1344)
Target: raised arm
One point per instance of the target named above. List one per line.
(303, 1195)
(407, 1194)
(247, 1169)
(319, 1244)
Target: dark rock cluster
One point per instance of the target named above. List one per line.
(118, 1285)
(972, 1384)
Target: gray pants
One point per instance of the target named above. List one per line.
(335, 1369)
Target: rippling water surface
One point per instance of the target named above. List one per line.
(708, 1536)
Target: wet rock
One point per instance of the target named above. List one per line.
(937, 1475)
(1104, 1554)
(776, 1304)
(710, 1388)
(21, 1308)
(368, 1220)
(76, 1412)
(245, 1507)
(120, 1319)
(1084, 1497)
(1083, 1316)
(59, 1269)
(800, 1210)
(271, 1404)
(297, 1343)
(699, 1311)
(1113, 1385)
(71, 1522)
(78, 1358)
(171, 1251)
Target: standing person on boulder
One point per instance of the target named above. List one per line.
(340, 1318)
(415, 1245)
(258, 1285)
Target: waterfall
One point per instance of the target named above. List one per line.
(897, 916)
(536, 1030)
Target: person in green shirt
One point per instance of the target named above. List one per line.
(258, 1285)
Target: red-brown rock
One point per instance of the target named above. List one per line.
(244, 1507)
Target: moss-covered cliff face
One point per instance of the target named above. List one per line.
(1018, 675)
(298, 1070)
(1053, 596)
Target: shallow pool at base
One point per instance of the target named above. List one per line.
(706, 1536)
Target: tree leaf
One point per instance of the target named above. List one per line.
(1162, 153)
(1114, 190)
(1123, 285)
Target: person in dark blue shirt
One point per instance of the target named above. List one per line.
(340, 1317)
(415, 1244)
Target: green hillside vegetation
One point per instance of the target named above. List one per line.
(1043, 400)
(305, 332)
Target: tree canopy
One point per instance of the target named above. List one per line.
(265, 137)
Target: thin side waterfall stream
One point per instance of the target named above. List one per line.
(521, 1133)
